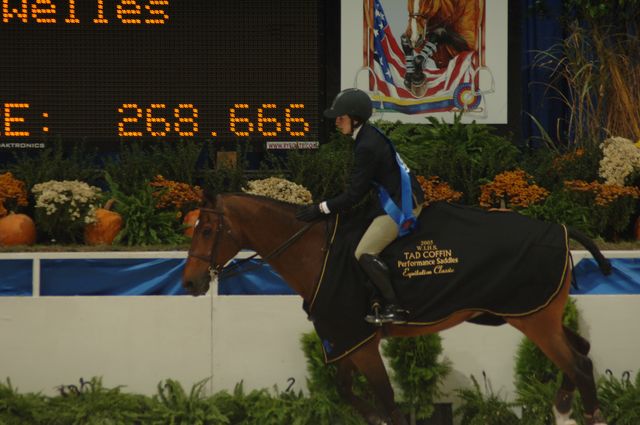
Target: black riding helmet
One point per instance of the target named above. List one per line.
(352, 102)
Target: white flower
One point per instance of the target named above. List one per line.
(72, 197)
(620, 159)
(281, 189)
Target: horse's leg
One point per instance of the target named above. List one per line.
(344, 376)
(367, 360)
(564, 396)
(545, 329)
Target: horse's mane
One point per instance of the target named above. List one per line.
(289, 206)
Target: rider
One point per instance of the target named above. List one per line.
(376, 165)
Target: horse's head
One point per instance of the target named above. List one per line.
(214, 242)
(427, 18)
(417, 25)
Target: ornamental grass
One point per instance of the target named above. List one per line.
(13, 194)
(512, 189)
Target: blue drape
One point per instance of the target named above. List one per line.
(159, 276)
(256, 281)
(163, 277)
(542, 29)
(16, 277)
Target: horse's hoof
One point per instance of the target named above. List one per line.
(595, 419)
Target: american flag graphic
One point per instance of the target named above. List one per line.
(448, 89)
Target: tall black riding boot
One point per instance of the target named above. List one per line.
(378, 273)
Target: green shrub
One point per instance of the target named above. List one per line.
(620, 399)
(477, 408)
(562, 207)
(417, 371)
(463, 155)
(225, 177)
(325, 172)
(138, 163)
(174, 406)
(20, 409)
(324, 400)
(57, 162)
(143, 223)
(90, 403)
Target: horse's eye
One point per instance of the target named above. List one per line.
(207, 232)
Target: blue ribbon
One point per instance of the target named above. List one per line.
(403, 217)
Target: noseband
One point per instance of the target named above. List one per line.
(217, 269)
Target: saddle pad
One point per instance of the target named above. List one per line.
(459, 258)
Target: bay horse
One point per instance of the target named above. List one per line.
(231, 222)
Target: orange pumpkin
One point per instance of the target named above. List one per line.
(107, 226)
(190, 221)
(17, 229)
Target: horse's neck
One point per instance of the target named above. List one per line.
(266, 227)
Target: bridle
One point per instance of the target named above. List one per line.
(216, 270)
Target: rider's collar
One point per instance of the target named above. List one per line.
(356, 131)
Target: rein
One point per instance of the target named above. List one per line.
(219, 270)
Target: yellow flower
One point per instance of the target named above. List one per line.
(513, 188)
(12, 193)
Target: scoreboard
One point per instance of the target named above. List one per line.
(123, 70)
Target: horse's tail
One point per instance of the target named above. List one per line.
(603, 263)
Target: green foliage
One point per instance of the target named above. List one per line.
(143, 223)
(562, 207)
(175, 407)
(327, 407)
(325, 172)
(477, 408)
(138, 163)
(91, 403)
(57, 162)
(225, 177)
(610, 220)
(417, 370)
(620, 399)
(20, 409)
(463, 155)
(603, 12)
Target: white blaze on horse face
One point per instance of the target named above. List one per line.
(414, 23)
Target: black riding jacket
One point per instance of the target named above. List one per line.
(374, 161)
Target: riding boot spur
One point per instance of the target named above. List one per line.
(378, 273)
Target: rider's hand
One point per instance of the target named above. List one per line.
(309, 213)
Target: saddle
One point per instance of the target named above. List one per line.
(459, 258)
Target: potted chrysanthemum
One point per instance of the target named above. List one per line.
(63, 208)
